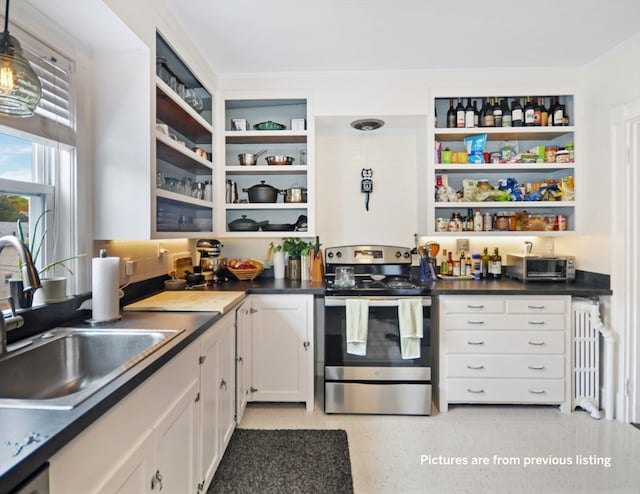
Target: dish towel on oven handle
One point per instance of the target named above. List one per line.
(357, 310)
(410, 325)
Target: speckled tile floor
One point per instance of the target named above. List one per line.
(475, 449)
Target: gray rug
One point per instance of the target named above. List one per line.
(285, 461)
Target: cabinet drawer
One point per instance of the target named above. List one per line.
(472, 305)
(505, 390)
(511, 366)
(528, 342)
(545, 322)
(537, 306)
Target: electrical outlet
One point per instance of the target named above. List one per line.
(129, 267)
(462, 244)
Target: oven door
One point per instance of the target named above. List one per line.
(383, 339)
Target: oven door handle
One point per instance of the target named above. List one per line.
(373, 301)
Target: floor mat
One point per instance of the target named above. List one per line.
(292, 461)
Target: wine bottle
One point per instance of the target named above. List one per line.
(444, 266)
(487, 116)
(496, 265)
(506, 113)
(528, 113)
(451, 115)
(476, 114)
(544, 114)
(497, 113)
(537, 112)
(558, 113)
(460, 114)
(516, 113)
(468, 114)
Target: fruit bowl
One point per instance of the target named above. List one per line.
(245, 270)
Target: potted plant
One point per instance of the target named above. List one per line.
(54, 288)
(295, 248)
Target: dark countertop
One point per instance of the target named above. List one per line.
(57, 428)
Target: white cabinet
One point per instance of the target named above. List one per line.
(284, 128)
(148, 436)
(217, 394)
(282, 348)
(494, 349)
(449, 165)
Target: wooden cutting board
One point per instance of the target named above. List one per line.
(188, 301)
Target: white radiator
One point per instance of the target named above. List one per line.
(586, 357)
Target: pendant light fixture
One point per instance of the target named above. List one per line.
(20, 88)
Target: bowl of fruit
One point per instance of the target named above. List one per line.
(247, 269)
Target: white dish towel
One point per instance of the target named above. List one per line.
(410, 325)
(357, 325)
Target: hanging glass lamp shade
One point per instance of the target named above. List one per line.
(20, 88)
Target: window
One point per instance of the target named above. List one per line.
(37, 159)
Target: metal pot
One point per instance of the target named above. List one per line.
(279, 160)
(295, 193)
(249, 159)
(262, 193)
(245, 224)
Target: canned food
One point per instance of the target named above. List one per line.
(550, 153)
(562, 156)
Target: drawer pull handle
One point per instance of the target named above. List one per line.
(475, 367)
(475, 342)
(475, 322)
(537, 343)
(537, 323)
(536, 307)
(537, 392)
(469, 306)
(475, 391)
(537, 367)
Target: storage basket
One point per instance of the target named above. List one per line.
(246, 274)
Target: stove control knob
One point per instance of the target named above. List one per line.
(398, 254)
(330, 255)
(338, 254)
(406, 254)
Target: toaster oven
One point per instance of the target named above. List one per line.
(532, 267)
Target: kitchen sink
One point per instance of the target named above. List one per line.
(59, 369)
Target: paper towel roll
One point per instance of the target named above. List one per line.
(105, 288)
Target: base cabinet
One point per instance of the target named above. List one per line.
(243, 351)
(217, 395)
(512, 350)
(146, 442)
(282, 348)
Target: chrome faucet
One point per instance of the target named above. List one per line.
(30, 282)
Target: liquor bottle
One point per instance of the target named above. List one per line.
(460, 114)
(487, 114)
(484, 264)
(469, 267)
(463, 262)
(558, 113)
(528, 113)
(552, 105)
(476, 114)
(506, 113)
(451, 115)
(444, 267)
(537, 112)
(544, 114)
(496, 265)
(497, 113)
(468, 114)
(450, 263)
(517, 117)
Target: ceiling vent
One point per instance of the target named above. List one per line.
(367, 124)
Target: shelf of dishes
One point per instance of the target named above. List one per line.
(268, 220)
(177, 152)
(175, 215)
(177, 114)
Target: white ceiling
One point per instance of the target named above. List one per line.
(256, 36)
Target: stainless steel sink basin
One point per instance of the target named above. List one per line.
(63, 367)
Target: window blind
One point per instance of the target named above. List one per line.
(54, 117)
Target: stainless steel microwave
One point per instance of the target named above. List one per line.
(532, 267)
